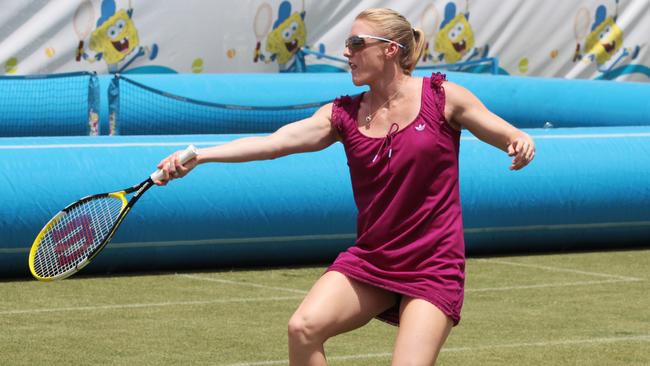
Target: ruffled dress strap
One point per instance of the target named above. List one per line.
(433, 100)
(436, 81)
(344, 114)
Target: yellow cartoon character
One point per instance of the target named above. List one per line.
(605, 39)
(116, 38)
(604, 44)
(286, 40)
(455, 38)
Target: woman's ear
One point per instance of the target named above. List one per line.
(392, 50)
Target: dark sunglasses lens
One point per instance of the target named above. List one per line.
(354, 43)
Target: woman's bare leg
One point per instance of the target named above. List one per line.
(422, 332)
(336, 304)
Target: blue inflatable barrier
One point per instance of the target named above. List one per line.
(523, 101)
(587, 187)
(529, 102)
(49, 105)
(264, 102)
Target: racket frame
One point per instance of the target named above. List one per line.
(139, 189)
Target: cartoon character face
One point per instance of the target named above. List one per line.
(455, 39)
(116, 38)
(605, 40)
(287, 38)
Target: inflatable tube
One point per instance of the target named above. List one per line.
(525, 102)
(587, 187)
(48, 105)
(530, 102)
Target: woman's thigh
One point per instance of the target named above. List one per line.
(422, 332)
(337, 304)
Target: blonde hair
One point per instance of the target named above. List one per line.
(395, 27)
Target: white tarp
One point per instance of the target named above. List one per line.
(588, 39)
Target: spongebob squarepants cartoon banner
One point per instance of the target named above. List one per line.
(587, 39)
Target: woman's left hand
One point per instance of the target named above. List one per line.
(523, 149)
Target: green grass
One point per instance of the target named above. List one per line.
(563, 309)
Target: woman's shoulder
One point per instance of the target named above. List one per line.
(346, 105)
(325, 109)
(345, 100)
(436, 80)
(455, 93)
(438, 83)
(344, 111)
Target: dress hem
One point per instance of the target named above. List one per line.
(394, 320)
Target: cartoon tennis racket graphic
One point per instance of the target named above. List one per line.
(261, 27)
(82, 23)
(428, 24)
(580, 29)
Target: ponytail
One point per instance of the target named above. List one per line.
(394, 26)
(413, 52)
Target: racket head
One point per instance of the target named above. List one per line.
(263, 20)
(83, 19)
(75, 235)
(429, 21)
(581, 24)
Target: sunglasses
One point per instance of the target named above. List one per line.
(358, 42)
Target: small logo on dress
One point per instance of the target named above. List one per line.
(420, 127)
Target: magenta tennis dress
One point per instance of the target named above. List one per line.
(409, 225)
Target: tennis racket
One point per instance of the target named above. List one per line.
(261, 27)
(83, 24)
(428, 24)
(580, 30)
(76, 235)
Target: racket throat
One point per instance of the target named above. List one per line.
(140, 189)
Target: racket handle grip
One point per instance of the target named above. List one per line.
(186, 155)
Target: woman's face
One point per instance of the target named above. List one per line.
(366, 62)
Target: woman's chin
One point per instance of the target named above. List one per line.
(357, 80)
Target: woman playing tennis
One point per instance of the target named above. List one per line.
(401, 139)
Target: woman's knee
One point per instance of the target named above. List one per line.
(306, 329)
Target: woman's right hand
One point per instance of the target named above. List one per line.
(173, 169)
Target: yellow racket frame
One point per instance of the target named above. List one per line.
(50, 224)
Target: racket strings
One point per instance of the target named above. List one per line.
(76, 235)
